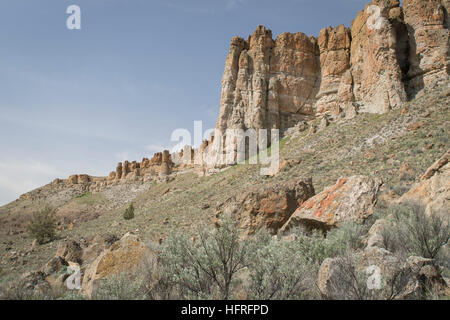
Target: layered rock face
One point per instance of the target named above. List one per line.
(427, 23)
(267, 82)
(377, 77)
(389, 53)
(336, 81)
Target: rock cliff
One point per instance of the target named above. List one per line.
(389, 53)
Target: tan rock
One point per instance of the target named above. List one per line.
(350, 199)
(123, 256)
(267, 207)
(434, 189)
(84, 179)
(376, 72)
(334, 44)
(70, 251)
(268, 83)
(73, 179)
(429, 42)
(436, 166)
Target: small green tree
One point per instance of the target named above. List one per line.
(42, 226)
(129, 212)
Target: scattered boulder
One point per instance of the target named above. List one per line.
(434, 188)
(374, 237)
(267, 207)
(123, 256)
(350, 199)
(70, 251)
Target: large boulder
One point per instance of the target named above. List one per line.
(376, 273)
(434, 188)
(123, 256)
(267, 207)
(350, 199)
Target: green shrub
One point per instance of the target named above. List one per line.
(42, 226)
(129, 212)
(122, 286)
(279, 271)
(205, 269)
(413, 232)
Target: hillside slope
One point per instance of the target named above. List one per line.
(397, 147)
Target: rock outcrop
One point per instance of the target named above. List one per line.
(335, 90)
(377, 77)
(350, 199)
(427, 24)
(123, 256)
(160, 165)
(434, 189)
(268, 82)
(388, 53)
(269, 207)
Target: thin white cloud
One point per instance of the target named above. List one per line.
(19, 177)
(233, 4)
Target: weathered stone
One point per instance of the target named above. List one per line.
(427, 23)
(123, 256)
(70, 251)
(374, 237)
(350, 199)
(268, 83)
(376, 73)
(268, 207)
(434, 189)
(334, 44)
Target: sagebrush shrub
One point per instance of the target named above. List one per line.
(42, 226)
(205, 269)
(278, 270)
(122, 286)
(413, 232)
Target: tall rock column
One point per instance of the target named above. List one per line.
(294, 69)
(335, 78)
(229, 91)
(427, 23)
(377, 77)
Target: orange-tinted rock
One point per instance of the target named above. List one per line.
(123, 256)
(350, 199)
(334, 44)
(268, 207)
(83, 178)
(427, 22)
(377, 77)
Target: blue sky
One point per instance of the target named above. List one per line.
(79, 101)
